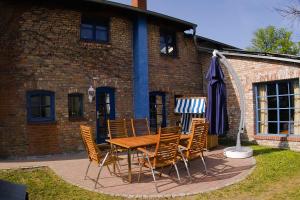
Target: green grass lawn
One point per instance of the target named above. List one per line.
(277, 176)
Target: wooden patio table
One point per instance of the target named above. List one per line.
(131, 143)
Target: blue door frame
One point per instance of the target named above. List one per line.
(102, 113)
(154, 112)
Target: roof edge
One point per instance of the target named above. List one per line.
(144, 12)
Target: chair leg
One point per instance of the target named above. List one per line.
(86, 172)
(186, 165)
(140, 171)
(187, 168)
(177, 171)
(101, 166)
(203, 161)
(152, 171)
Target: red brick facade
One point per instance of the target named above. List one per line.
(41, 49)
(251, 71)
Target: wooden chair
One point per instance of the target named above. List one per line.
(140, 127)
(196, 144)
(165, 153)
(117, 129)
(130, 131)
(94, 153)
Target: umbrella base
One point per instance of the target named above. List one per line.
(242, 152)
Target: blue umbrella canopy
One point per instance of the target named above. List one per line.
(216, 112)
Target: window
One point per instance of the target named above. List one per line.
(75, 104)
(168, 43)
(40, 106)
(278, 108)
(94, 30)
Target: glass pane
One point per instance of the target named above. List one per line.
(45, 100)
(283, 88)
(171, 49)
(35, 112)
(86, 31)
(284, 128)
(272, 128)
(284, 101)
(45, 112)
(272, 102)
(284, 115)
(163, 45)
(107, 97)
(272, 115)
(101, 35)
(271, 89)
(76, 108)
(170, 39)
(292, 129)
(87, 26)
(35, 100)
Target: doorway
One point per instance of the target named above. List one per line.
(157, 110)
(105, 110)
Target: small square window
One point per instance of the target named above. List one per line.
(75, 105)
(93, 29)
(40, 106)
(168, 43)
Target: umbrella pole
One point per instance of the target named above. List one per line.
(241, 96)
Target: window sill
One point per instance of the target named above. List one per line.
(292, 138)
(169, 56)
(77, 119)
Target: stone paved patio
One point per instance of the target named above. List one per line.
(222, 172)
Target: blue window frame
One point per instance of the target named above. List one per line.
(75, 105)
(168, 43)
(40, 106)
(278, 107)
(94, 30)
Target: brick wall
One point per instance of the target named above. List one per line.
(41, 49)
(251, 71)
(48, 54)
(179, 75)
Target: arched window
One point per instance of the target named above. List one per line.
(40, 106)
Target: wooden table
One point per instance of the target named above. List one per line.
(131, 143)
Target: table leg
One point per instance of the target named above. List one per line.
(129, 165)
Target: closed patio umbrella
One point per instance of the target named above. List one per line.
(216, 112)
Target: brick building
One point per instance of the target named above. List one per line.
(138, 62)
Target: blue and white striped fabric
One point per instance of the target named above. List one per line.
(189, 108)
(190, 105)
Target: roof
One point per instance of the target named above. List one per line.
(219, 45)
(262, 55)
(149, 14)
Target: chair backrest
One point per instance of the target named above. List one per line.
(166, 148)
(198, 139)
(140, 127)
(130, 131)
(117, 128)
(89, 143)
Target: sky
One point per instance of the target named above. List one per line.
(229, 21)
